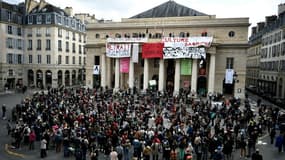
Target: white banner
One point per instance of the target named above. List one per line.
(118, 50)
(120, 40)
(135, 53)
(190, 47)
(229, 76)
(190, 52)
(96, 69)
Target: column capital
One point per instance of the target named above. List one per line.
(212, 50)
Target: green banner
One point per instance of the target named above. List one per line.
(186, 67)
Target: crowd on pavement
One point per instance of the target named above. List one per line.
(86, 123)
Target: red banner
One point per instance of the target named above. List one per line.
(152, 50)
(124, 65)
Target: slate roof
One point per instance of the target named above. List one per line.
(169, 9)
(48, 9)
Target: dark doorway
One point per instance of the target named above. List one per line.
(228, 88)
(170, 75)
(202, 86)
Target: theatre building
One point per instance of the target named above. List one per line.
(167, 48)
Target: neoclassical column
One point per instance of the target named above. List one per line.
(161, 76)
(177, 76)
(70, 77)
(212, 69)
(35, 78)
(108, 72)
(131, 74)
(145, 76)
(103, 71)
(44, 78)
(194, 76)
(63, 77)
(54, 83)
(117, 74)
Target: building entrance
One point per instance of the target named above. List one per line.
(170, 76)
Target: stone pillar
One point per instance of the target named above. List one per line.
(54, 83)
(63, 78)
(177, 77)
(70, 78)
(145, 76)
(108, 72)
(117, 74)
(44, 79)
(212, 69)
(161, 77)
(194, 76)
(35, 78)
(103, 71)
(131, 74)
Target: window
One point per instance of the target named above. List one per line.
(39, 44)
(231, 34)
(19, 59)
(73, 48)
(39, 19)
(19, 44)
(10, 72)
(79, 60)
(59, 59)
(48, 44)
(9, 43)
(79, 49)
(79, 35)
(135, 35)
(9, 15)
(230, 63)
(181, 34)
(10, 30)
(66, 60)
(73, 36)
(39, 32)
(96, 60)
(59, 45)
(48, 32)
(66, 21)
(84, 60)
(67, 34)
(58, 19)
(67, 46)
(29, 32)
(30, 44)
(30, 19)
(204, 34)
(48, 19)
(73, 60)
(10, 58)
(19, 31)
(48, 59)
(30, 59)
(59, 32)
(117, 35)
(39, 59)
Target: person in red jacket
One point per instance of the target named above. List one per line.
(32, 138)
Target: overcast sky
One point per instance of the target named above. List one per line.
(256, 10)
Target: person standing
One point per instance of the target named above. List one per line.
(32, 138)
(4, 111)
(43, 148)
(114, 155)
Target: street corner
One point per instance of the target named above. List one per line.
(7, 150)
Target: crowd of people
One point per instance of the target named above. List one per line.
(87, 123)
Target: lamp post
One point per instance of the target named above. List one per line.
(82, 74)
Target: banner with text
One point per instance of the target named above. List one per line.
(186, 67)
(152, 50)
(135, 53)
(229, 76)
(118, 50)
(190, 47)
(124, 65)
(96, 69)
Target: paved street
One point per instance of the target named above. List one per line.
(268, 151)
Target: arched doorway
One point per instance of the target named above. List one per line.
(48, 78)
(73, 77)
(67, 78)
(59, 78)
(30, 78)
(39, 79)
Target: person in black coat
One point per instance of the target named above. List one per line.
(256, 156)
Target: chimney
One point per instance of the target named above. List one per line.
(270, 19)
(260, 26)
(253, 30)
(69, 11)
(281, 8)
